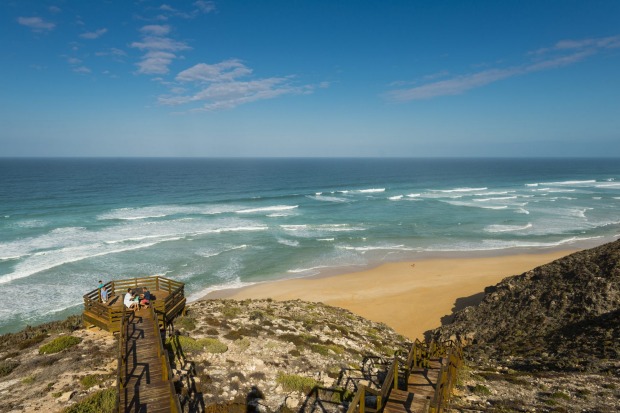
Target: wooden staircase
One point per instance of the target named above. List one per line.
(144, 376)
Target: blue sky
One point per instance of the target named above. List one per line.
(309, 78)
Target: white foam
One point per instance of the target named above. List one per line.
(267, 209)
(396, 198)
(325, 239)
(210, 253)
(288, 242)
(502, 198)
(413, 195)
(461, 190)
(506, 228)
(370, 190)
(304, 270)
(570, 183)
(293, 227)
(366, 248)
(325, 198)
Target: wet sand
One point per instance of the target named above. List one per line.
(411, 297)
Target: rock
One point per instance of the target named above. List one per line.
(65, 397)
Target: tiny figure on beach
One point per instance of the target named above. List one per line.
(130, 301)
(103, 293)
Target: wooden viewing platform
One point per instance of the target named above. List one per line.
(168, 301)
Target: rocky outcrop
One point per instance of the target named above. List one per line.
(562, 316)
(277, 352)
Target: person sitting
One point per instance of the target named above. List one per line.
(145, 297)
(130, 302)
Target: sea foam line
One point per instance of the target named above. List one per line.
(267, 209)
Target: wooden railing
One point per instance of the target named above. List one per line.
(175, 406)
(453, 361)
(108, 317)
(419, 356)
(358, 404)
(121, 372)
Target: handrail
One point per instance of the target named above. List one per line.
(122, 345)
(359, 398)
(175, 406)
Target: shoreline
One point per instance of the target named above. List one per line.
(411, 296)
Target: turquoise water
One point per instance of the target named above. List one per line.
(215, 223)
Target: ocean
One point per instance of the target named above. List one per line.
(220, 223)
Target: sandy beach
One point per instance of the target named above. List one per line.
(411, 297)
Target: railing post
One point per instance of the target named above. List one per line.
(363, 399)
(395, 373)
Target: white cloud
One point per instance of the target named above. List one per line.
(74, 60)
(200, 7)
(219, 72)
(564, 53)
(217, 86)
(155, 62)
(159, 49)
(113, 51)
(155, 30)
(37, 24)
(205, 6)
(54, 9)
(82, 70)
(94, 35)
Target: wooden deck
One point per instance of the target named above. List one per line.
(420, 384)
(169, 301)
(420, 390)
(144, 371)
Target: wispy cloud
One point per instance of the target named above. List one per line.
(160, 50)
(199, 7)
(36, 24)
(94, 35)
(82, 70)
(563, 53)
(220, 86)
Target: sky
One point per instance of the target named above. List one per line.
(320, 78)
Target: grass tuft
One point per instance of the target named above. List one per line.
(59, 344)
(294, 382)
(103, 401)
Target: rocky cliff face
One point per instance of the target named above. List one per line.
(563, 316)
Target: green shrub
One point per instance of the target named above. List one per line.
(481, 390)
(59, 344)
(7, 366)
(29, 342)
(103, 401)
(293, 382)
(213, 345)
(89, 381)
(324, 349)
(560, 395)
(186, 323)
(243, 343)
(29, 380)
(191, 345)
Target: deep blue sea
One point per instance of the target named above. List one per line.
(215, 223)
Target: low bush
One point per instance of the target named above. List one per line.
(191, 345)
(59, 344)
(7, 366)
(186, 323)
(29, 342)
(293, 382)
(103, 401)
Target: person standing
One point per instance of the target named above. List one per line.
(103, 293)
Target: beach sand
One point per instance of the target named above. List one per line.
(411, 297)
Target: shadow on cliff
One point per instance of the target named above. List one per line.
(190, 396)
(460, 304)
